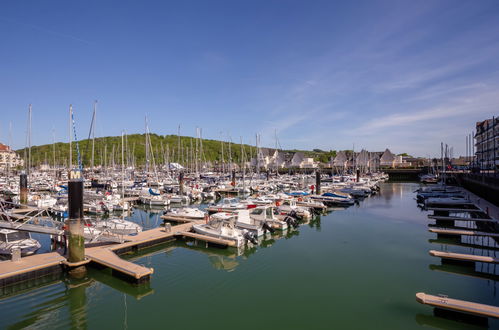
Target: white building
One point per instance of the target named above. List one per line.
(9, 158)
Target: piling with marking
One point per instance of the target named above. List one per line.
(318, 182)
(74, 226)
(23, 186)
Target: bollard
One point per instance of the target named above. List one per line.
(168, 227)
(74, 226)
(16, 255)
(23, 187)
(318, 182)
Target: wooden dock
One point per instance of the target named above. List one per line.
(38, 265)
(448, 209)
(451, 218)
(30, 267)
(107, 258)
(459, 232)
(463, 257)
(456, 305)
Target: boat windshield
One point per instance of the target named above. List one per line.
(17, 235)
(269, 213)
(3, 238)
(257, 211)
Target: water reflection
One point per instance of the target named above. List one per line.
(49, 302)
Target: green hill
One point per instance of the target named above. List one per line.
(163, 148)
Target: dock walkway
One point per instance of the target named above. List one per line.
(458, 305)
(459, 232)
(38, 265)
(30, 267)
(463, 257)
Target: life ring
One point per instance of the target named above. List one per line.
(300, 199)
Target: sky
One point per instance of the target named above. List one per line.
(333, 75)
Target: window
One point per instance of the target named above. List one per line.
(17, 235)
(257, 211)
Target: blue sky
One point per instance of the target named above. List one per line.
(325, 74)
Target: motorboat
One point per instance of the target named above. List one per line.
(189, 213)
(224, 228)
(118, 226)
(11, 240)
(227, 205)
(269, 215)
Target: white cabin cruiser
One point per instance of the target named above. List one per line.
(11, 240)
(118, 226)
(224, 228)
(185, 213)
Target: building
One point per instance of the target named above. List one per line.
(487, 143)
(9, 158)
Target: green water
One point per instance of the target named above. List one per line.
(357, 268)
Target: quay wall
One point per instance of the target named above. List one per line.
(484, 186)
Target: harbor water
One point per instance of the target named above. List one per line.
(354, 268)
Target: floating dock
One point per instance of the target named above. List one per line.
(106, 257)
(456, 305)
(451, 218)
(30, 267)
(39, 265)
(459, 232)
(463, 257)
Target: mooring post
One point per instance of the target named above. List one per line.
(181, 183)
(23, 187)
(268, 175)
(358, 176)
(233, 183)
(318, 182)
(74, 225)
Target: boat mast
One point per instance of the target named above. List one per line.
(147, 146)
(93, 133)
(123, 165)
(70, 139)
(53, 152)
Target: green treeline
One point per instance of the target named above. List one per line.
(163, 148)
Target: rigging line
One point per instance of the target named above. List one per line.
(76, 141)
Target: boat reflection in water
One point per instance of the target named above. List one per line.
(229, 258)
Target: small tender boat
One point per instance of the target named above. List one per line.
(118, 226)
(11, 240)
